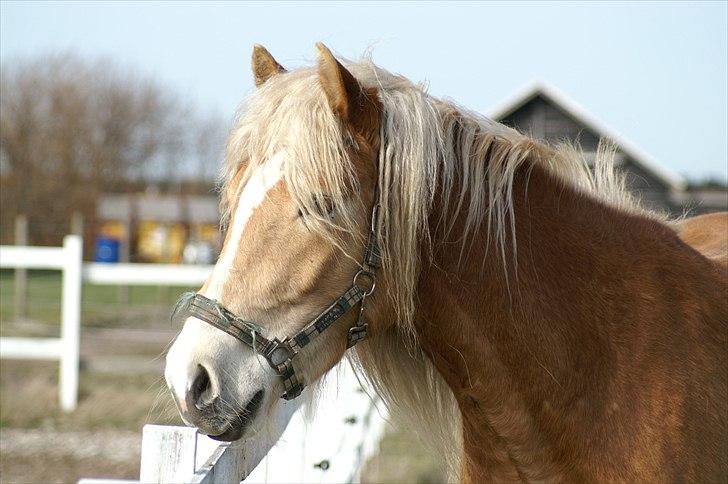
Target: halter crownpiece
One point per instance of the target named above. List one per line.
(280, 353)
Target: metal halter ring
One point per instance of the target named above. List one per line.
(367, 288)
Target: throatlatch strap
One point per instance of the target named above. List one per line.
(372, 257)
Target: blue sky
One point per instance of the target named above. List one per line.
(655, 72)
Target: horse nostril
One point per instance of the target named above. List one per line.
(199, 384)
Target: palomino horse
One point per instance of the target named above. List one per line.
(708, 234)
(524, 311)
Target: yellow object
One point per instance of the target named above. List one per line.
(158, 242)
(114, 230)
(162, 242)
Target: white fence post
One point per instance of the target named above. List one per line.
(168, 454)
(21, 275)
(66, 348)
(70, 322)
(69, 259)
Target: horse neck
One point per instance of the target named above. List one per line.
(518, 345)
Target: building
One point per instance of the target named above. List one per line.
(153, 227)
(545, 113)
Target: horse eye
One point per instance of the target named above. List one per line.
(324, 207)
(329, 211)
(327, 208)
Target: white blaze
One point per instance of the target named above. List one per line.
(184, 352)
(263, 178)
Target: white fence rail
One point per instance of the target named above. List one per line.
(145, 274)
(66, 348)
(330, 448)
(68, 259)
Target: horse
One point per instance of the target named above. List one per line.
(708, 234)
(523, 311)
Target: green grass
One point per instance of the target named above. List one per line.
(102, 306)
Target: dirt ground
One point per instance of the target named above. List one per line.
(121, 389)
(102, 438)
(36, 455)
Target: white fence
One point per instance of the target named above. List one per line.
(66, 348)
(329, 448)
(68, 259)
(145, 274)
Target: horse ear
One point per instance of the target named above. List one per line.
(345, 95)
(264, 65)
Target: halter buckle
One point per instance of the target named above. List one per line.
(277, 353)
(356, 334)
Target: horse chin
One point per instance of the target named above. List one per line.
(233, 433)
(237, 428)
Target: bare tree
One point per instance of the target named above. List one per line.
(71, 129)
(209, 146)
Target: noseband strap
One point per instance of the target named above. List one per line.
(280, 353)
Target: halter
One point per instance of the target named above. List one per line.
(280, 353)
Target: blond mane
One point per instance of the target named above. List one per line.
(432, 152)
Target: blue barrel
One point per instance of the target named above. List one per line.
(107, 249)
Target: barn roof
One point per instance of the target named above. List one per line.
(553, 95)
